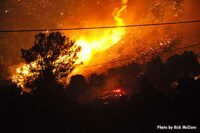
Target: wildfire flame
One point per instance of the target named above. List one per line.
(89, 46)
(104, 40)
(23, 73)
(108, 97)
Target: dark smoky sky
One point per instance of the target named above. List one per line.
(37, 14)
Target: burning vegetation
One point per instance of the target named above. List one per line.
(115, 95)
(52, 54)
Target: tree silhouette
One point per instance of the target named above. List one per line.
(53, 54)
(184, 65)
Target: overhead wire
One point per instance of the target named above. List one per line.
(101, 27)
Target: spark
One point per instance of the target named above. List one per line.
(6, 11)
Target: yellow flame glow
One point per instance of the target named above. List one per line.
(103, 40)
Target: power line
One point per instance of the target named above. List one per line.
(115, 61)
(102, 27)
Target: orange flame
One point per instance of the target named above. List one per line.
(104, 40)
(23, 73)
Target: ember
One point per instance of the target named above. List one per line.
(113, 96)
